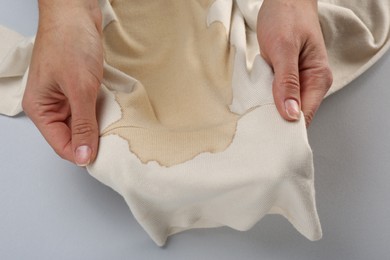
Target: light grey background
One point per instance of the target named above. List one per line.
(50, 209)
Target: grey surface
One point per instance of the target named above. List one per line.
(50, 209)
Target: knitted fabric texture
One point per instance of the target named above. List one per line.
(189, 132)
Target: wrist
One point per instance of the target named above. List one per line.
(67, 4)
(56, 12)
(312, 3)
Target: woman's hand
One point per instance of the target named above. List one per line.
(64, 77)
(291, 41)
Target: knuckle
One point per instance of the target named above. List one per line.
(325, 74)
(290, 84)
(328, 76)
(320, 78)
(82, 128)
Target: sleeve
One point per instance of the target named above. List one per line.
(15, 56)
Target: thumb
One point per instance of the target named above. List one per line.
(286, 87)
(84, 128)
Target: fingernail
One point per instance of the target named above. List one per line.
(83, 155)
(292, 109)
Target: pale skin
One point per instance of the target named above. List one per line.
(67, 68)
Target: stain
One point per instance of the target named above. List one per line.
(179, 108)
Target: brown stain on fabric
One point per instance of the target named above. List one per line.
(179, 108)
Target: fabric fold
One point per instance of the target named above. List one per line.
(356, 34)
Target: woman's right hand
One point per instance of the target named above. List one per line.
(291, 41)
(64, 77)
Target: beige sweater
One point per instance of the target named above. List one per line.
(190, 135)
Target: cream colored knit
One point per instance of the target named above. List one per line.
(190, 135)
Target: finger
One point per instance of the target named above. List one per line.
(49, 118)
(58, 135)
(84, 127)
(286, 86)
(53, 128)
(314, 85)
